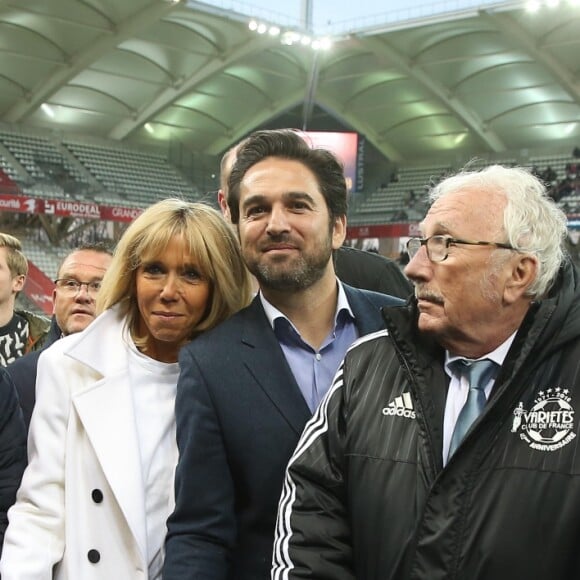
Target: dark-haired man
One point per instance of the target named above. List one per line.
(247, 388)
(367, 270)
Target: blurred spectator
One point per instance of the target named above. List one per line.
(20, 331)
(371, 245)
(550, 177)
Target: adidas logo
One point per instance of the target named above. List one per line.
(402, 406)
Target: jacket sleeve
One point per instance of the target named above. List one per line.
(12, 448)
(313, 537)
(34, 540)
(202, 529)
(23, 374)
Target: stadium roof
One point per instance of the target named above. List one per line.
(486, 80)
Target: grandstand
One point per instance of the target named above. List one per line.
(47, 165)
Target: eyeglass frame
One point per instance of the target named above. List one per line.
(448, 241)
(78, 286)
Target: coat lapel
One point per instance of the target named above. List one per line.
(263, 357)
(106, 412)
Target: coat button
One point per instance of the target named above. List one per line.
(93, 556)
(97, 495)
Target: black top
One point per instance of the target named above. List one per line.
(370, 271)
(13, 339)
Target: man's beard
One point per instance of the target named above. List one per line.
(296, 274)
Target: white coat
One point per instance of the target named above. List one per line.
(81, 507)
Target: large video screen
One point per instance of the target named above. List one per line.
(344, 146)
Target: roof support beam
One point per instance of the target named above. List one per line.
(288, 102)
(509, 27)
(388, 56)
(143, 18)
(173, 93)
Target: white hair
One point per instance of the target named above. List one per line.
(533, 223)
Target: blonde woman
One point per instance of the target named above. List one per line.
(99, 484)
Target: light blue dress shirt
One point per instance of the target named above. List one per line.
(313, 369)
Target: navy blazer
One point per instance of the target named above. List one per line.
(239, 416)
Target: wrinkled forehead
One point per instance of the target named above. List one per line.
(466, 212)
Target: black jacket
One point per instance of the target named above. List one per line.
(12, 448)
(23, 373)
(371, 271)
(366, 494)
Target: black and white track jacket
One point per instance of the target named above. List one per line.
(366, 495)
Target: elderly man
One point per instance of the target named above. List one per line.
(447, 447)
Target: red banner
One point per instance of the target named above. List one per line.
(66, 208)
(39, 288)
(383, 231)
(94, 211)
(20, 204)
(120, 214)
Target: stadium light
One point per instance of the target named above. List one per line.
(47, 110)
(290, 37)
(533, 6)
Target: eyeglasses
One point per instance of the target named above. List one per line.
(72, 287)
(438, 246)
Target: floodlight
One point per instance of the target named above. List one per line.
(48, 110)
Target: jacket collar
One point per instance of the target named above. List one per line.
(265, 360)
(100, 346)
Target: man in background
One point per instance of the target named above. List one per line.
(74, 301)
(20, 331)
(367, 270)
